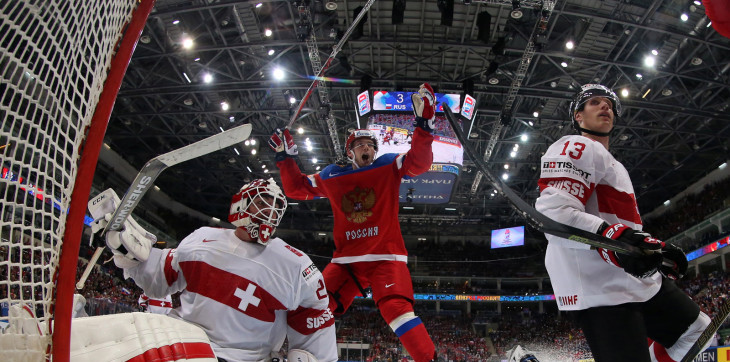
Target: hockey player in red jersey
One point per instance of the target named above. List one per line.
(248, 290)
(619, 300)
(369, 247)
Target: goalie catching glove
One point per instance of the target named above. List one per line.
(424, 107)
(639, 266)
(132, 243)
(283, 143)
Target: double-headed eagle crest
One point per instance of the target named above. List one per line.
(357, 203)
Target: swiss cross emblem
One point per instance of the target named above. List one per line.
(247, 297)
(265, 232)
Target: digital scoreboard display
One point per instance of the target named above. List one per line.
(401, 101)
(394, 132)
(503, 238)
(392, 121)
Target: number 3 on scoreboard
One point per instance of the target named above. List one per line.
(576, 151)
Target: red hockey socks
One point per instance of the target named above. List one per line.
(659, 353)
(398, 313)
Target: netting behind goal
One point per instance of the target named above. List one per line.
(56, 59)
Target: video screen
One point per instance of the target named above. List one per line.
(401, 101)
(394, 132)
(504, 238)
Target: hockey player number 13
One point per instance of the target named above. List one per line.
(576, 151)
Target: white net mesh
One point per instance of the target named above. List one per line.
(54, 58)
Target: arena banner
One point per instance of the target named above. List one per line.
(467, 110)
(432, 187)
(709, 248)
(479, 298)
(714, 354)
(363, 103)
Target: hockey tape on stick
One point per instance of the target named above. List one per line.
(709, 332)
(336, 49)
(536, 219)
(149, 172)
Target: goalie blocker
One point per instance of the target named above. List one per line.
(132, 243)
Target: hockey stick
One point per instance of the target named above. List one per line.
(709, 332)
(336, 49)
(539, 221)
(149, 172)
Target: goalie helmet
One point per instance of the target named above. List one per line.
(268, 203)
(587, 92)
(360, 133)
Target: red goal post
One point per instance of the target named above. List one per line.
(61, 66)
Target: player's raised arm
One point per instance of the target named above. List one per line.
(296, 185)
(420, 157)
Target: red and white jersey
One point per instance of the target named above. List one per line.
(364, 200)
(581, 185)
(247, 297)
(155, 305)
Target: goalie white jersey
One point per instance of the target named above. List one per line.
(581, 185)
(247, 297)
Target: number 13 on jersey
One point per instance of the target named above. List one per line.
(573, 149)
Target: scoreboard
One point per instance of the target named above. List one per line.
(390, 116)
(401, 101)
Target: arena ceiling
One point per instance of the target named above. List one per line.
(675, 128)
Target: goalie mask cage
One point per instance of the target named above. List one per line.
(61, 65)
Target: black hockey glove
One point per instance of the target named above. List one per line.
(638, 266)
(424, 107)
(676, 255)
(283, 144)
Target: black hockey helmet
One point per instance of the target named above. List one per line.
(587, 92)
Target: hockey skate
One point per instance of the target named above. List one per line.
(519, 354)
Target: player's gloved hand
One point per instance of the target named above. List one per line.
(676, 255)
(638, 266)
(424, 107)
(283, 143)
(130, 245)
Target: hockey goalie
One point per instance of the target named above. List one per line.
(243, 291)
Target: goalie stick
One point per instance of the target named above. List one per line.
(336, 49)
(710, 331)
(149, 172)
(539, 221)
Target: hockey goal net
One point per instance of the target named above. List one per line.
(61, 65)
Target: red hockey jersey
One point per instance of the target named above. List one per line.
(364, 200)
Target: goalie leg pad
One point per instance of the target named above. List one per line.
(138, 336)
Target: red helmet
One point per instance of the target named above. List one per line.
(262, 224)
(360, 133)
